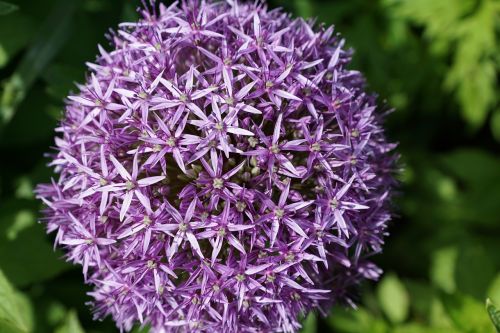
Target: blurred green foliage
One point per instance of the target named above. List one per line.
(437, 62)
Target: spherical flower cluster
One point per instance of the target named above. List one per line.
(221, 170)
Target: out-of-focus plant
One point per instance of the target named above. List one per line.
(464, 34)
(494, 314)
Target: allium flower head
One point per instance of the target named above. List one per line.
(221, 170)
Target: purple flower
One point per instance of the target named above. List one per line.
(221, 171)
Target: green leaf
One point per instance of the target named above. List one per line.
(467, 267)
(494, 314)
(473, 73)
(26, 254)
(464, 30)
(494, 290)
(141, 329)
(438, 315)
(426, 305)
(393, 298)
(355, 321)
(52, 35)
(419, 328)
(7, 8)
(15, 309)
(129, 14)
(55, 313)
(474, 166)
(495, 124)
(309, 325)
(467, 313)
(475, 270)
(71, 324)
(22, 220)
(61, 79)
(24, 188)
(305, 8)
(16, 32)
(478, 173)
(443, 266)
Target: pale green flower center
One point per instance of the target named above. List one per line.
(129, 185)
(252, 141)
(334, 203)
(219, 126)
(171, 142)
(275, 149)
(151, 264)
(218, 183)
(241, 206)
(316, 146)
(146, 220)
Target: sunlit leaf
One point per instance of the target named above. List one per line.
(15, 309)
(419, 328)
(467, 313)
(71, 324)
(494, 314)
(22, 220)
(393, 298)
(493, 292)
(24, 188)
(443, 266)
(473, 73)
(356, 321)
(470, 26)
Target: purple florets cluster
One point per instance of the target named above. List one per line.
(220, 171)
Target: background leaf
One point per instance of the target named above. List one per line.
(15, 309)
(7, 8)
(467, 313)
(393, 298)
(310, 323)
(71, 324)
(494, 314)
(51, 36)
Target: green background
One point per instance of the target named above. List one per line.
(435, 61)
